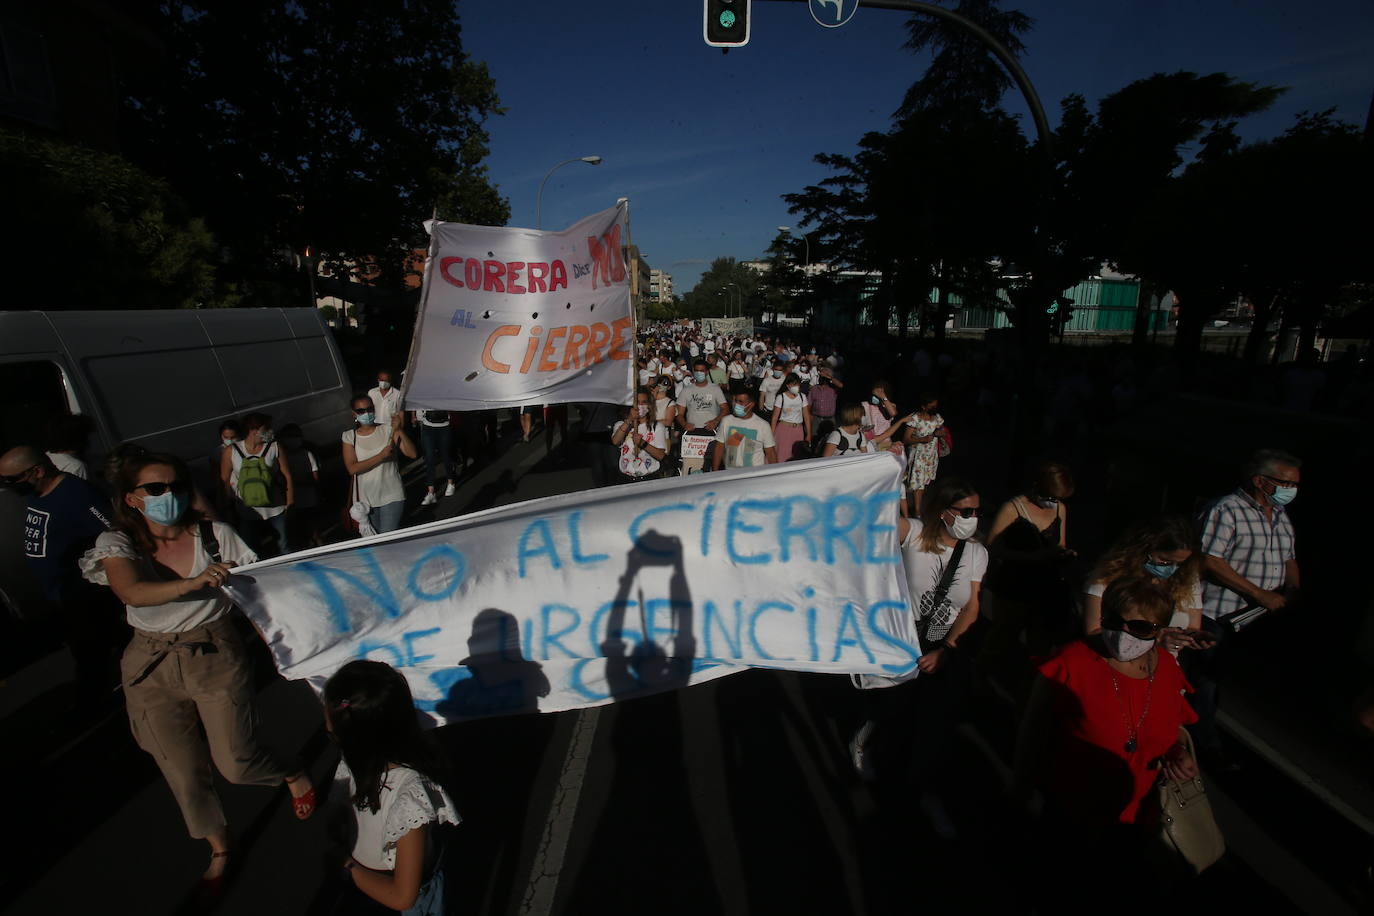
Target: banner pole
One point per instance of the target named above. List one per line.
(422, 307)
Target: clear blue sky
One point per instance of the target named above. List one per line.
(704, 144)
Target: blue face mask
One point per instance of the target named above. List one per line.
(1160, 570)
(875, 399)
(166, 509)
(364, 419)
(699, 376)
(740, 410)
(1282, 496)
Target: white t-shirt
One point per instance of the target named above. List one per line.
(923, 573)
(641, 463)
(382, 484)
(701, 403)
(744, 439)
(408, 800)
(791, 405)
(646, 376)
(769, 388)
(846, 444)
(68, 463)
(710, 345)
(737, 369)
(385, 404)
(192, 610)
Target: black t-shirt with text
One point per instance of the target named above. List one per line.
(59, 528)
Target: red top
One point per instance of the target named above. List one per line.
(1088, 773)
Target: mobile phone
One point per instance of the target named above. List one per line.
(1201, 637)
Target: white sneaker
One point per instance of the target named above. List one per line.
(430, 499)
(450, 489)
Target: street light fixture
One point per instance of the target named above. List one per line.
(739, 304)
(539, 198)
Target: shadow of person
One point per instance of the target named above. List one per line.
(647, 668)
(503, 681)
(486, 497)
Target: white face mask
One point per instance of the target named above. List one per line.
(1124, 647)
(383, 385)
(795, 389)
(962, 528)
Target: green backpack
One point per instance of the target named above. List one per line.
(255, 480)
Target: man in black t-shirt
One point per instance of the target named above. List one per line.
(64, 516)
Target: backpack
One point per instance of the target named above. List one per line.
(848, 444)
(255, 479)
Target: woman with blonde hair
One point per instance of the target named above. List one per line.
(1165, 552)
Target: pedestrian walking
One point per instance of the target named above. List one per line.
(369, 454)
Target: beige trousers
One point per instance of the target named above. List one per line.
(175, 685)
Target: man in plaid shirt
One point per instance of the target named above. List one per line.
(1250, 561)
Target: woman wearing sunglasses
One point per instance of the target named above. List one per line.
(1165, 552)
(944, 569)
(187, 680)
(369, 453)
(1106, 719)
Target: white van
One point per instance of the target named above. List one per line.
(165, 379)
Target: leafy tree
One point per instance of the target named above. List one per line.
(337, 124)
(99, 233)
(709, 297)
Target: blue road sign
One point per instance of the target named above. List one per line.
(832, 13)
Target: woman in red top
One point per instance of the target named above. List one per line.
(1110, 710)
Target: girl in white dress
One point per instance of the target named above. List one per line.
(387, 777)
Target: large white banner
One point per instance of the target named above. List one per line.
(519, 316)
(727, 325)
(588, 598)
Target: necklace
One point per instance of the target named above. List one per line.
(1133, 732)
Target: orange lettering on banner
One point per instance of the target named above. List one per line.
(530, 350)
(600, 336)
(547, 362)
(505, 330)
(577, 336)
(620, 340)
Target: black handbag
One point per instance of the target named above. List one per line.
(928, 631)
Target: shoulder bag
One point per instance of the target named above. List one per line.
(1186, 824)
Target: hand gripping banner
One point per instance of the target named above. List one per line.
(592, 597)
(513, 317)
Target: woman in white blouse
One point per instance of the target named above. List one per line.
(187, 679)
(369, 453)
(791, 418)
(641, 439)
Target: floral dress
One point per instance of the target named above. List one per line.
(923, 459)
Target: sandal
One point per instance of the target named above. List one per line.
(302, 805)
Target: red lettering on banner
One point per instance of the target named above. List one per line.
(493, 279)
(472, 272)
(538, 271)
(558, 276)
(607, 260)
(513, 276)
(444, 264)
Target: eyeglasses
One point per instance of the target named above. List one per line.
(1281, 481)
(157, 487)
(10, 480)
(966, 511)
(1141, 629)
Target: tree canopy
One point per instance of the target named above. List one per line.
(335, 124)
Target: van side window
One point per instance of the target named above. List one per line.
(152, 391)
(33, 396)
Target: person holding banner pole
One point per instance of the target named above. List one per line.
(369, 453)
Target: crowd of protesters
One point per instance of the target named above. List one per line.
(1114, 670)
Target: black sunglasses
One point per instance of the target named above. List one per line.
(1141, 629)
(10, 480)
(367, 409)
(157, 487)
(966, 512)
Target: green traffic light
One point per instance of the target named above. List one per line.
(727, 19)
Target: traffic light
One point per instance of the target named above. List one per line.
(725, 23)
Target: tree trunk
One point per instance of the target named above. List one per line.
(1194, 308)
(1259, 331)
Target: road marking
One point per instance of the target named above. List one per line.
(1294, 772)
(541, 893)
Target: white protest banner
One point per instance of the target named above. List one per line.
(519, 316)
(592, 597)
(727, 325)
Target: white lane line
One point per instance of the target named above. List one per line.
(1295, 772)
(541, 892)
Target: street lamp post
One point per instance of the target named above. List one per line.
(539, 198)
(739, 305)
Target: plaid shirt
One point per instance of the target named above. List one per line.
(1236, 530)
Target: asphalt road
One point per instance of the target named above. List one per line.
(734, 796)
